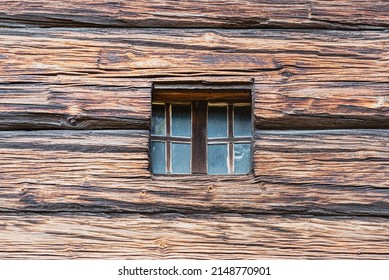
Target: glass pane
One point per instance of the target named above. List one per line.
(181, 120)
(158, 159)
(242, 158)
(180, 158)
(217, 121)
(242, 121)
(158, 120)
(217, 159)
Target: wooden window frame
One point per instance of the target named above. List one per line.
(230, 140)
(199, 96)
(168, 138)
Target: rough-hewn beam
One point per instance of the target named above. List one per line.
(99, 78)
(195, 236)
(343, 14)
(75, 104)
(316, 105)
(274, 55)
(337, 158)
(327, 172)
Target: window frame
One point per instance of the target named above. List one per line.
(200, 98)
(168, 138)
(231, 139)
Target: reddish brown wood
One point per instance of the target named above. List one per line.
(322, 181)
(303, 79)
(335, 158)
(341, 14)
(326, 172)
(177, 236)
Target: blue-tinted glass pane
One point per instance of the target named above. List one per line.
(242, 158)
(158, 120)
(180, 158)
(217, 159)
(181, 120)
(217, 121)
(242, 121)
(158, 159)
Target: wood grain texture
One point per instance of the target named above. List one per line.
(101, 78)
(321, 173)
(176, 236)
(72, 105)
(322, 105)
(320, 56)
(337, 158)
(344, 14)
(68, 159)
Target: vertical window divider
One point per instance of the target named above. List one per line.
(230, 112)
(199, 137)
(168, 142)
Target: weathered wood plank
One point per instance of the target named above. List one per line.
(99, 78)
(328, 105)
(211, 236)
(125, 104)
(337, 158)
(75, 154)
(311, 55)
(344, 14)
(72, 105)
(327, 172)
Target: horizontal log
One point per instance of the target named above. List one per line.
(331, 105)
(102, 78)
(322, 173)
(175, 236)
(322, 56)
(42, 158)
(343, 14)
(337, 158)
(75, 106)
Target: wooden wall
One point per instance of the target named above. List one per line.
(75, 91)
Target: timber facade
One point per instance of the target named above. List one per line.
(76, 81)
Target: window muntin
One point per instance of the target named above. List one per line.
(201, 137)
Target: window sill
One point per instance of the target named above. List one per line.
(202, 177)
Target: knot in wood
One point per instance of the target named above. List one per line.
(210, 188)
(143, 193)
(23, 189)
(72, 121)
(161, 243)
(70, 253)
(286, 74)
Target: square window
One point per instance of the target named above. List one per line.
(201, 132)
